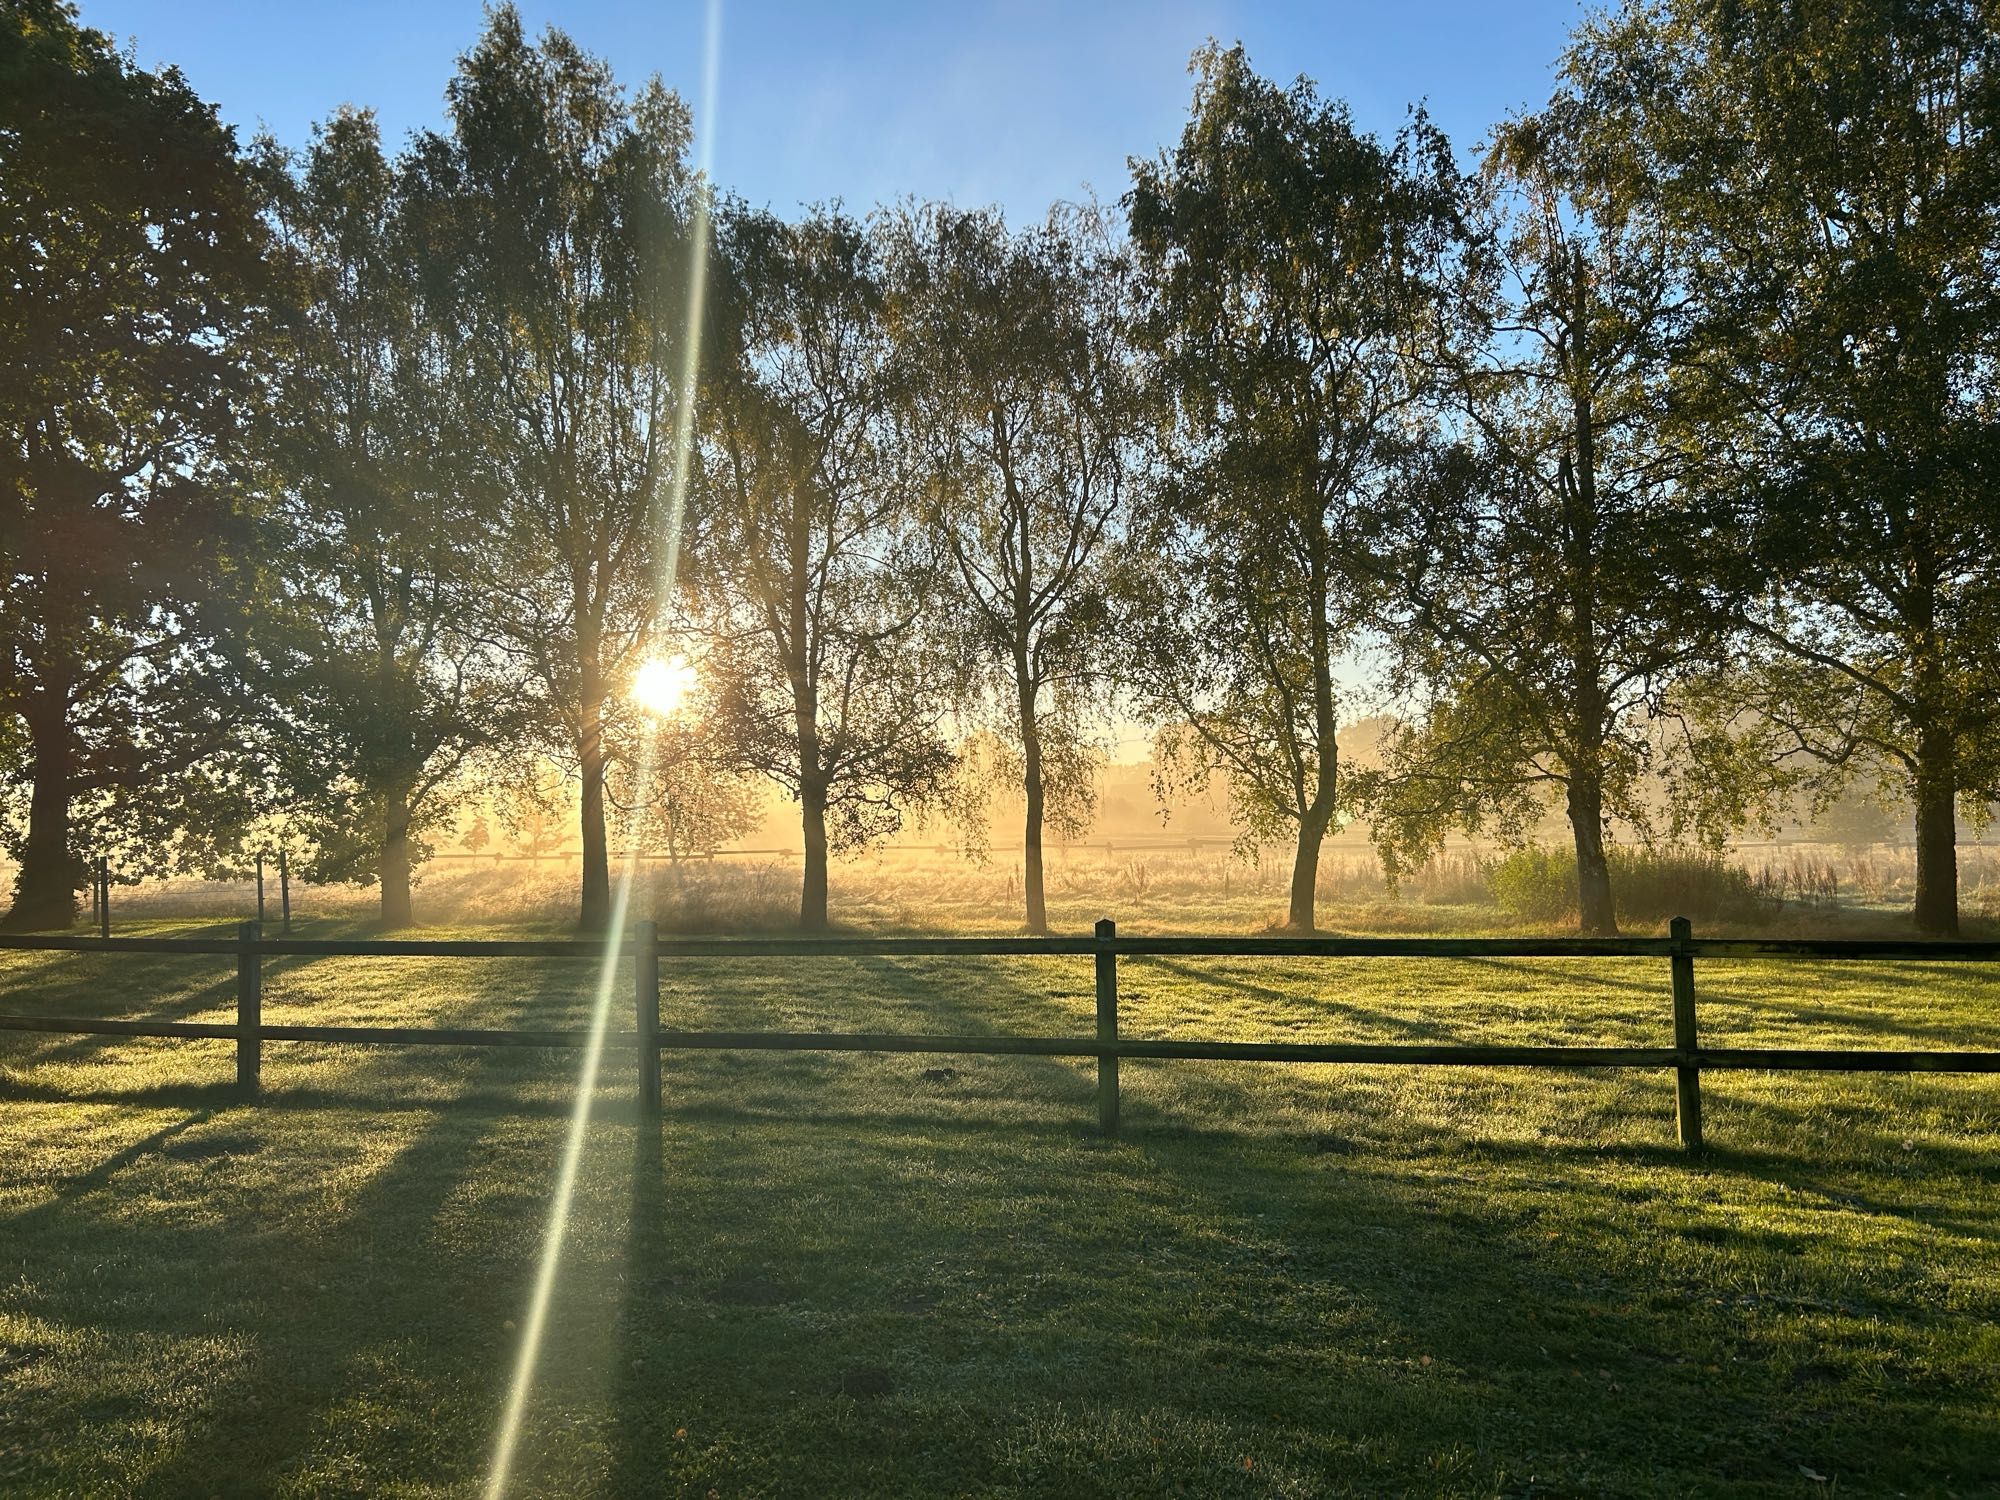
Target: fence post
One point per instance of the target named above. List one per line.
(249, 1009)
(104, 898)
(646, 997)
(260, 885)
(1107, 1027)
(1687, 1076)
(284, 891)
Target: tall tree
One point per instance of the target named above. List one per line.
(574, 206)
(386, 504)
(676, 782)
(1550, 582)
(1296, 267)
(814, 573)
(1829, 177)
(1027, 408)
(131, 294)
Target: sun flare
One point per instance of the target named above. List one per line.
(662, 684)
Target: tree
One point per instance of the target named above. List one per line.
(386, 520)
(1550, 582)
(677, 787)
(1294, 266)
(1027, 408)
(813, 579)
(132, 292)
(1829, 179)
(574, 208)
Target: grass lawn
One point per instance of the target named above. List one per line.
(852, 1275)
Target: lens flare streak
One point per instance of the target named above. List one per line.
(669, 523)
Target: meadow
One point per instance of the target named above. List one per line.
(859, 1275)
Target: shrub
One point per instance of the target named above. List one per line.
(1537, 885)
(1647, 885)
(1652, 885)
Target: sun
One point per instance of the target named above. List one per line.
(662, 684)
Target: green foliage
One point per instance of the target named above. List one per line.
(1537, 885)
(1656, 461)
(1526, 566)
(1857, 822)
(568, 221)
(1827, 178)
(677, 791)
(1651, 886)
(1026, 408)
(1295, 270)
(813, 573)
(133, 297)
(394, 687)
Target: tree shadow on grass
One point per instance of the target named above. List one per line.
(353, 1309)
(1372, 1020)
(1591, 974)
(370, 1314)
(854, 1283)
(293, 1098)
(77, 1185)
(1068, 1316)
(1814, 1016)
(89, 997)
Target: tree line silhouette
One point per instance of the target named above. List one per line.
(1656, 448)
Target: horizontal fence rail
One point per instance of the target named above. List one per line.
(1687, 1057)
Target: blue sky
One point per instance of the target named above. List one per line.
(1017, 104)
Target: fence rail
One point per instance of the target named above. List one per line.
(1687, 1057)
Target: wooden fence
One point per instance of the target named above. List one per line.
(1687, 1057)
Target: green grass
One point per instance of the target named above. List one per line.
(849, 1275)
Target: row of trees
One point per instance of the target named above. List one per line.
(1656, 451)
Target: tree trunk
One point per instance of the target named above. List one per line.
(1305, 866)
(1031, 840)
(596, 905)
(1937, 835)
(395, 864)
(1031, 860)
(815, 779)
(1317, 816)
(45, 888)
(1596, 915)
(812, 825)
